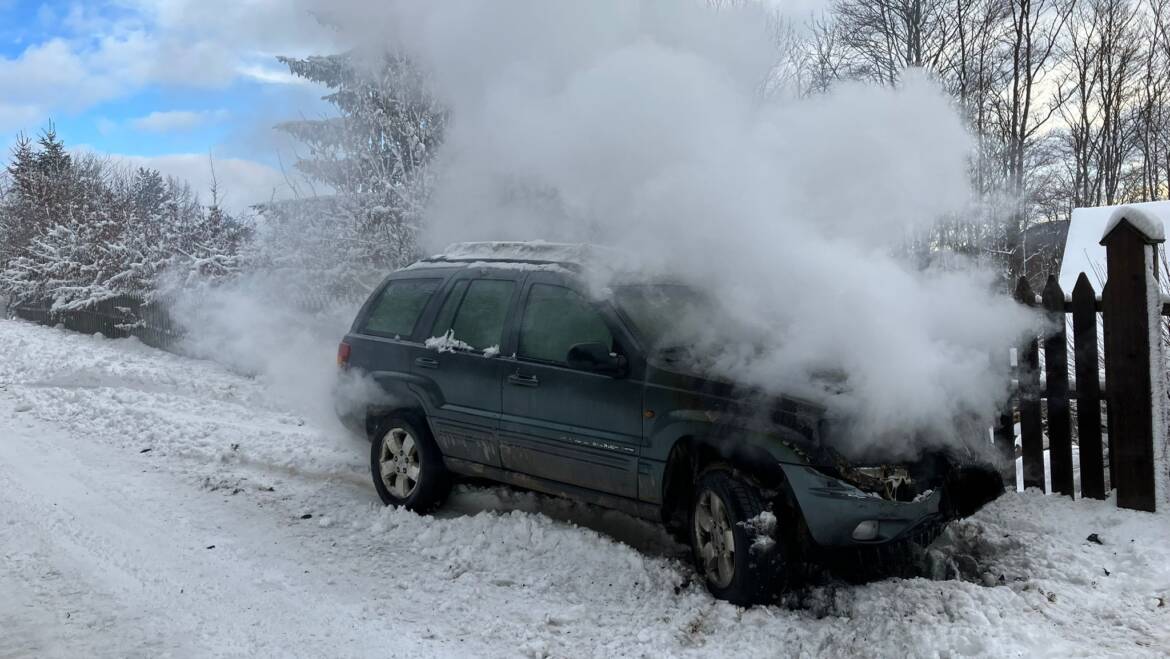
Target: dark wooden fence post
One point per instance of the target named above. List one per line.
(1084, 313)
(1005, 441)
(1028, 373)
(1004, 434)
(1056, 391)
(1131, 258)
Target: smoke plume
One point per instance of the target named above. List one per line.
(641, 125)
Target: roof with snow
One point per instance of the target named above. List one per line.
(534, 251)
(1082, 249)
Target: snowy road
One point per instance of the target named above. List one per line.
(155, 505)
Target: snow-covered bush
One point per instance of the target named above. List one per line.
(78, 230)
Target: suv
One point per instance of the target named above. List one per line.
(496, 361)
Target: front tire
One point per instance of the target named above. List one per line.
(735, 540)
(407, 466)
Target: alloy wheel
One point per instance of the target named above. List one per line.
(714, 538)
(398, 463)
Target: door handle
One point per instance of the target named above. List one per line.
(523, 380)
(426, 362)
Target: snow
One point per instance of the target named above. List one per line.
(497, 265)
(1159, 400)
(534, 250)
(159, 505)
(1082, 249)
(1149, 219)
(448, 343)
(762, 527)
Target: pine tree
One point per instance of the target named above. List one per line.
(375, 157)
(78, 231)
(388, 127)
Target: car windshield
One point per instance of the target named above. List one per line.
(665, 315)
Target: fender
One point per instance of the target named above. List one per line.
(743, 442)
(394, 391)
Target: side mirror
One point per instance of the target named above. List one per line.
(596, 357)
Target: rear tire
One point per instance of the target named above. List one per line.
(738, 544)
(407, 466)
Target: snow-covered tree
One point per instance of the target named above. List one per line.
(78, 230)
(370, 170)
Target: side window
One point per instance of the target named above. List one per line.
(450, 306)
(479, 317)
(398, 308)
(555, 319)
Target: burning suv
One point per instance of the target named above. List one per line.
(500, 361)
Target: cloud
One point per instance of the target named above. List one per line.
(16, 116)
(240, 182)
(105, 51)
(176, 120)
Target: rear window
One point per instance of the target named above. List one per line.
(399, 306)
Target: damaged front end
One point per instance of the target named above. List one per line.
(966, 487)
(848, 506)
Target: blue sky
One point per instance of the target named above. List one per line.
(163, 82)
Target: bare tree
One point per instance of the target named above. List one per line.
(1080, 113)
(1117, 68)
(888, 36)
(1023, 110)
(1153, 116)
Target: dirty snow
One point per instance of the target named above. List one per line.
(158, 505)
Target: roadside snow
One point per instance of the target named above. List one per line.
(153, 504)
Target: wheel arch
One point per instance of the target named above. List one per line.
(377, 416)
(401, 394)
(747, 454)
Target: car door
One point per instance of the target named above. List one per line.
(462, 366)
(559, 423)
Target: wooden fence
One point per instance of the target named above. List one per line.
(118, 317)
(154, 322)
(1116, 371)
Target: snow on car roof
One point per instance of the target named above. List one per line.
(528, 252)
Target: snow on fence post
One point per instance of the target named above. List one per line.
(1056, 391)
(1028, 373)
(1084, 321)
(1134, 369)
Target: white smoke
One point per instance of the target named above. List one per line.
(640, 125)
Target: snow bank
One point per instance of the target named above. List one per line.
(495, 573)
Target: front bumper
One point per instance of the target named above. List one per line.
(833, 509)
